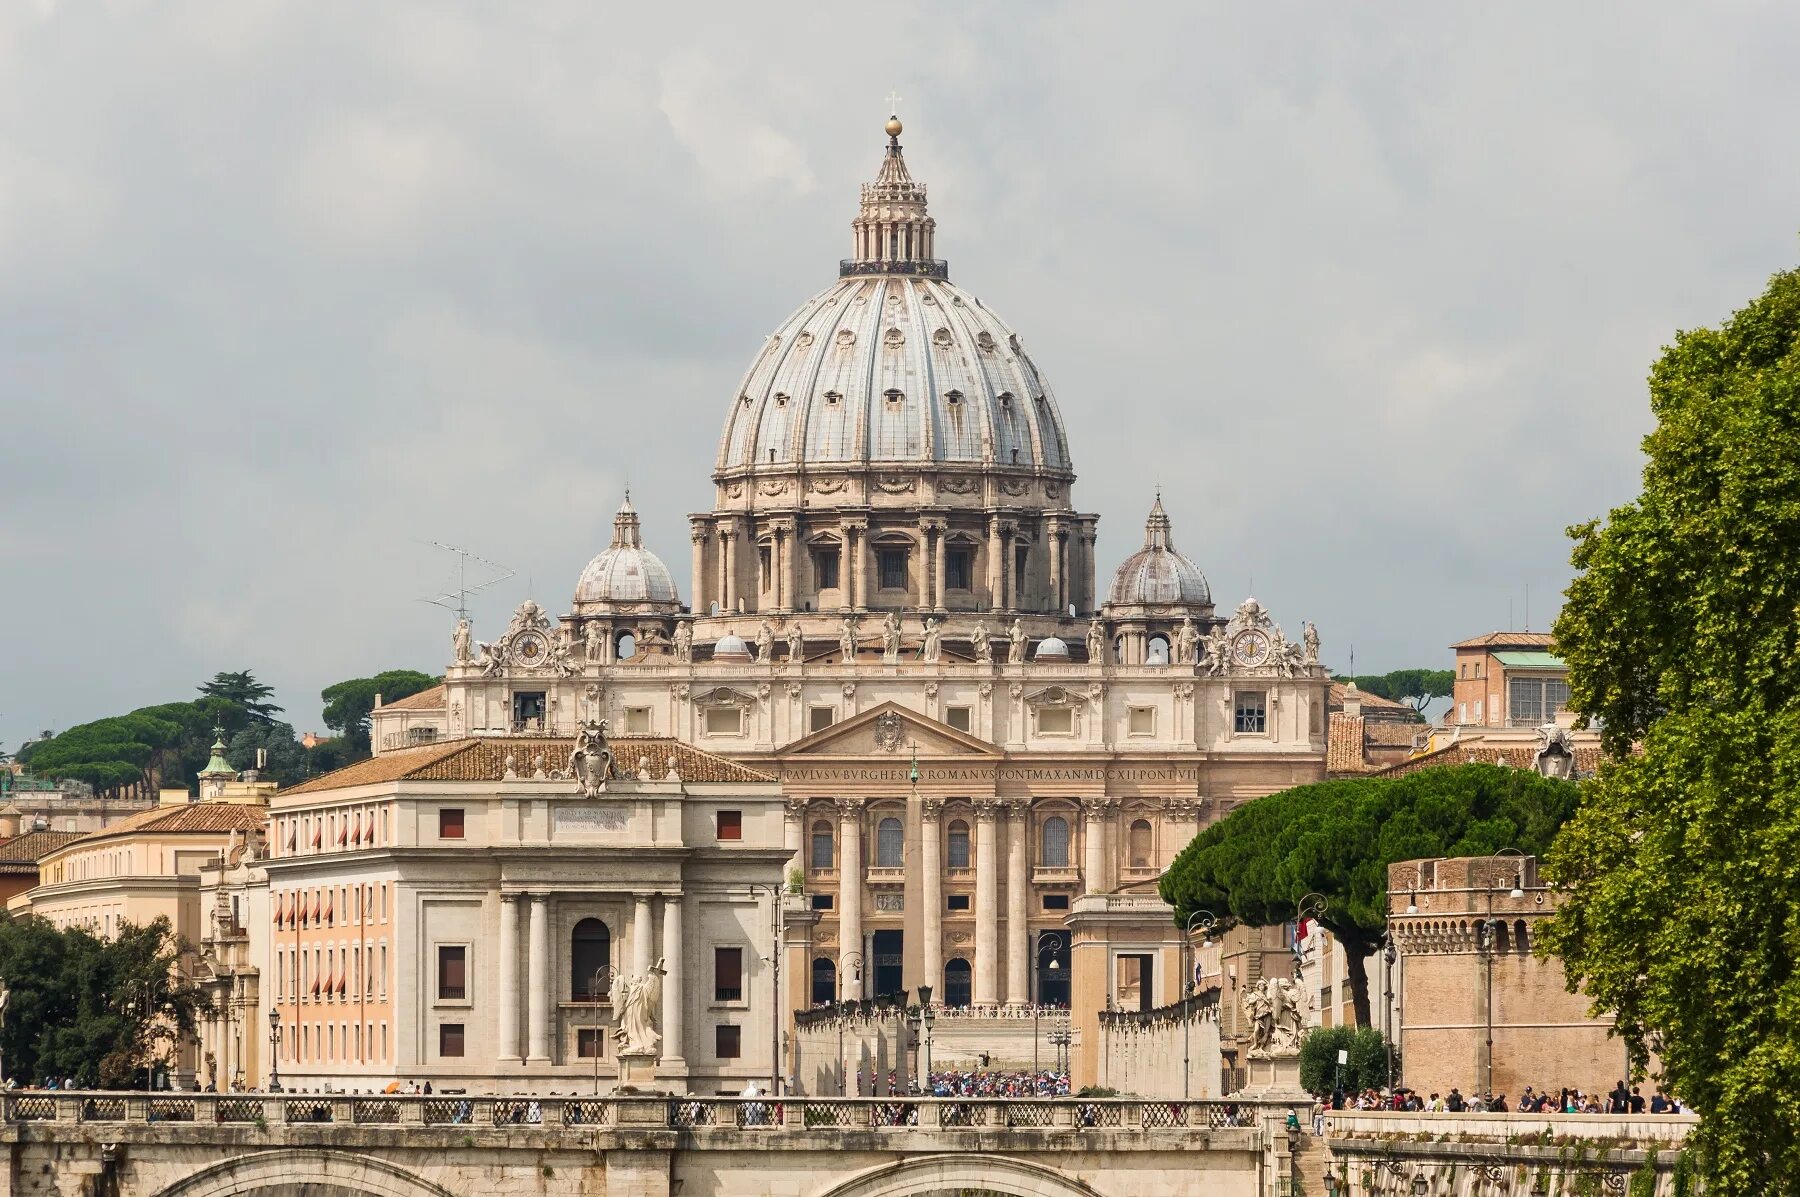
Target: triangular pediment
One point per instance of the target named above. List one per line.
(890, 730)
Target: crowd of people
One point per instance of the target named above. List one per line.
(999, 1084)
(1621, 1100)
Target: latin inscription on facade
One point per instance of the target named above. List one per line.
(587, 819)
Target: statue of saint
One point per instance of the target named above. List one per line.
(638, 1004)
(461, 641)
(983, 644)
(796, 642)
(1015, 651)
(934, 642)
(684, 640)
(847, 639)
(765, 643)
(1309, 635)
(1187, 642)
(890, 639)
(593, 638)
(1096, 643)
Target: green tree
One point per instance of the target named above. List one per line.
(1366, 1067)
(245, 693)
(348, 703)
(286, 760)
(1682, 634)
(1416, 686)
(101, 1011)
(1337, 838)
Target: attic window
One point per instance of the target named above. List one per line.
(953, 398)
(894, 400)
(781, 400)
(1006, 399)
(831, 398)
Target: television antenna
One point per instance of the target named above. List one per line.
(457, 598)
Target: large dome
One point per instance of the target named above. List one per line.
(894, 370)
(1157, 575)
(626, 573)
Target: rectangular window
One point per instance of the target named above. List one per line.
(825, 568)
(1250, 713)
(1556, 697)
(728, 974)
(961, 718)
(764, 564)
(1525, 701)
(724, 721)
(730, 824)
(957, 902)
(528, 710)
(1056, 901)
(1142, 721)
(820, 718)
(959, 569)
(450, 823)
(1056, 721)
(727, 1042)
(453, 973)
(590, 1042)
(450, 1039)
(822, 902)
(893, 568)
(637, 721)
(1021, 558)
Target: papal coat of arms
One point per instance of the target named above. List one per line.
(888, 727)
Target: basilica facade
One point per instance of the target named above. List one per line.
(893, 638)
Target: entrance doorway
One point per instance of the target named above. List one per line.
(889, 950)
(956, 982)
(1053, 983)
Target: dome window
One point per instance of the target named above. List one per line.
(894, 400)
(942, 338)
(1006, 400)
(846, 337)
(953, 398)
(985, 341)
(831, 398)
(894, 338)
(780, 399)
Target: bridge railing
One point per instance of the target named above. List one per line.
(752, 1115)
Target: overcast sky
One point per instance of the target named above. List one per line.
(287, 289)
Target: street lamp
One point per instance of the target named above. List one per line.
(926, 1017)
(1489, 935)
(1205, 920)
(1420, 1186)
(847, 962)
(1053, 942)
(274, 1050)
(1389, 955)
(775, 1015)
(598, 987)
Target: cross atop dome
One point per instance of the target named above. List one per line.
(893, 233)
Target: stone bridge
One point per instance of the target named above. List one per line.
(222, 1145)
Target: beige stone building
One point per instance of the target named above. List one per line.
(1479, 1010)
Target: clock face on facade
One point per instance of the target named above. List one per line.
(531, 648)
(1250, 648)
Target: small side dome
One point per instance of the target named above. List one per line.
(732, 650)
(1158, 575)
(626, 572)
(1051, 648)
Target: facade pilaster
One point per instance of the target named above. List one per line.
(1018, 893)
(506, 972)
(674, 993)
(987, 916)
(538, 996)
(931, 812)
(850, 894)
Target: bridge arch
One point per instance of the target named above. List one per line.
(923, 1176)
(308, 1172)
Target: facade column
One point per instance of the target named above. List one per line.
(794, 835)
(673, 994)
(1018, 891)
(987, 917)
(538, 995)
(931, 866)
(642, 950)
(728, 568)
(509, 979)
(697, 534)
(850, 891)
(1093, 839)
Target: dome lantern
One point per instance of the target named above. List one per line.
(626, 574)
(893, 233)
(1157, 575)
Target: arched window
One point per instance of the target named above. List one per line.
(1140, 844)
(824, 981)
(626, 645)
(1157, 652)
(890, 844)
(1055, 848)
(1521, 943)
(956, 982)
(821, 845)
(959, 844)
(590, 961)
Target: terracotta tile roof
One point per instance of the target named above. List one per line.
(1517, 756)
(1514, 639)
(1344, 744)
(1391, 732)
(485, 760)
(21, 853)
(1373, 704)
(424, 700)
(188, 818)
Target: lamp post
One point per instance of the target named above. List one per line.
(847, 961)
(775, 1017)
(1388, 955)
(5, 997)
(598, 988)
(1206, 921)
(274, 1050)
(1489, 936)
(1054, 942)
(140, 1000)
(924, 1049)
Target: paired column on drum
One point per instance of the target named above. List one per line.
(931, 864)
(850, 893)
(1018, 893)
(987, 914)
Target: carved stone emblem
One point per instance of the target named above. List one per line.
(889, 728)
(896, 484)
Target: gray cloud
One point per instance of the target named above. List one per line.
(286, 289)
